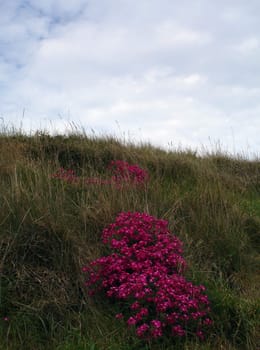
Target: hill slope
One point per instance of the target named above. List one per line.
(50, 228)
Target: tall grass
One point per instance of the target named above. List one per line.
(50, 229)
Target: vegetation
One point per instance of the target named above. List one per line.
(51, 228)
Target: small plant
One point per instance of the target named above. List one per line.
(145, 270)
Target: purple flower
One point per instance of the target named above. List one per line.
(131, 321)
(145, 269)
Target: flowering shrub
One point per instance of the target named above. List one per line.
(122, 173)
(125, 172)
(145, 270)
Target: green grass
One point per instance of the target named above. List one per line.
(50, 229)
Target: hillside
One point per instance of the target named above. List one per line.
(50, 228)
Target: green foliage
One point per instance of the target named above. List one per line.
(50, 229)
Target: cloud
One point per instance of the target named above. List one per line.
(248, 46)
(58, 10)
(169, 71)
(171, 35)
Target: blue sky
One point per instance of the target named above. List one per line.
(176, 73)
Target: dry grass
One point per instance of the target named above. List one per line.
(49, 229)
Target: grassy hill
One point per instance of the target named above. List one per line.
(50, 228)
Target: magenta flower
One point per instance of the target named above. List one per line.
(145, 269)
(131, 321)
(142, 329)
(124, 172)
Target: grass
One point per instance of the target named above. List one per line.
(50, 229)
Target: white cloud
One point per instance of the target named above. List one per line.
(191, 80)
(171, 34)
(248, 45)
(179, 71)
(59, 9)
(231, 14)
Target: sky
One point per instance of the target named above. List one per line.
(173, 73)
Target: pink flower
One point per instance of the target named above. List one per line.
(156, 323)
(135, 305)
(178, 330)
(131, 321)
(207, 322)
(142, 329)
(145, 270)
(123, 172)
(200, 334)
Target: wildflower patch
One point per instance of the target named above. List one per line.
(121, 173)
(145, 271)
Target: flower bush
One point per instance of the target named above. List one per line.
(125, 172)
(145, 270)
(122, 173)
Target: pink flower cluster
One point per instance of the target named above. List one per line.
(122, 173)
(145, 269)
(125, 172)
